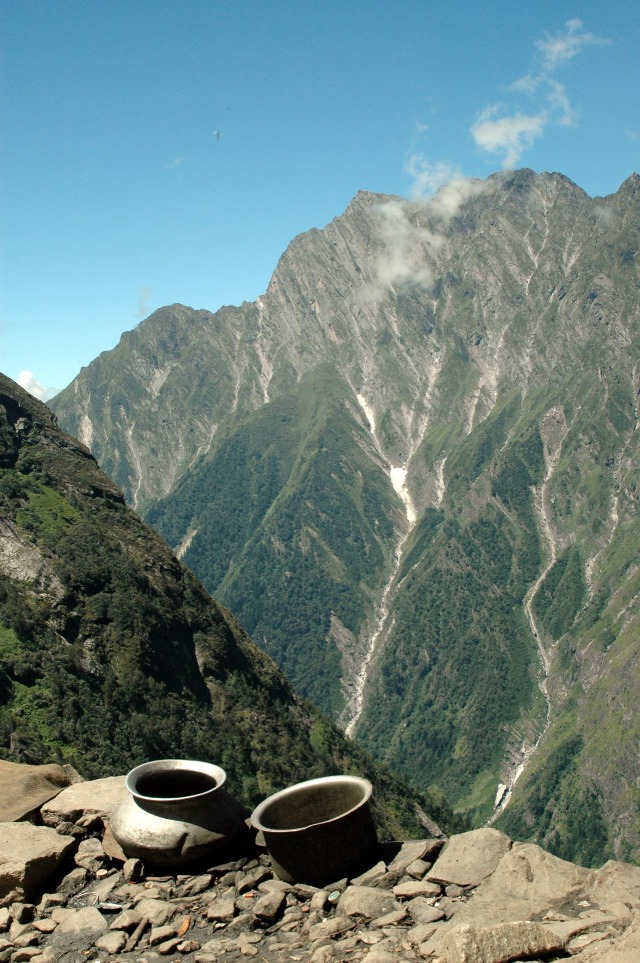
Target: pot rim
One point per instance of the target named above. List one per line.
(174, 765)
(256, 815)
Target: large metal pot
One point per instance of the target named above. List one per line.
(178, 816)
(319, 831)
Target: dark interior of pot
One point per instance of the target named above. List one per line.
(308, 805)
(174, 784)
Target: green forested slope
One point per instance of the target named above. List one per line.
(292, 522)
(111, 653)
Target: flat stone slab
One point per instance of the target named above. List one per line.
(468, 858)
(494, 944)
(96, 797)
(29, 855)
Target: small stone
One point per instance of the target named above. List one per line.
(49, 900)
(196, 884)
(453, 890)
(27, 939)
(160, 934)
(112, 942)
(17, 929)
(330, 928)
(25, 954)
(420, 933)
(127, 920)
(421, 911)
(418, 868)
(269, 907)
(253, 879)
(221, 910)
(87, 922)
(380, 955)
(318, 901)
(22, 912)
(303, 891)
(4, 918)
(74, 881)
(269, 885)
(410, 888)
(133, 870)
(50, 954)
(157, 911)
(188, 946)
(366, 901)
(168, 946)
(249, 951)
(389, 919)
(67, 828)
(90, 855)
(371, 876)
(44, 926)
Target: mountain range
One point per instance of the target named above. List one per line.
(410, 470)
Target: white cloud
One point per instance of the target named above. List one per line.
(27, 381)
(410, 243)
(441, 186)
(507, 135)
(509, 131)
(428, 176)
(402, 260)
(556, 51)
(173, 163)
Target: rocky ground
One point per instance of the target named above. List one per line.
(475, 898)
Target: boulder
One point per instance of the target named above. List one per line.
(26, 788)
(96, 797)
(29, 855)
(468, 858)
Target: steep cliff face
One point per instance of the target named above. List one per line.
(410, 469)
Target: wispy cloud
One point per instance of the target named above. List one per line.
(27, 381)
(506, 130)
(556, 51)
(410, 243)
(142, 308)
(173, 163)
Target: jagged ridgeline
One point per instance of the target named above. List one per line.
(111, 653)
(410, 470)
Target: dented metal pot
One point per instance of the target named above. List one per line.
(319, 831)
(178, 816)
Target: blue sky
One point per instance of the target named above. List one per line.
(160, 151)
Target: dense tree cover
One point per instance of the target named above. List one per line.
(562, 594)
(458, 670)
(563, 813)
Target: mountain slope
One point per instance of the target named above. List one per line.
(409, 468)
(111, 652)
